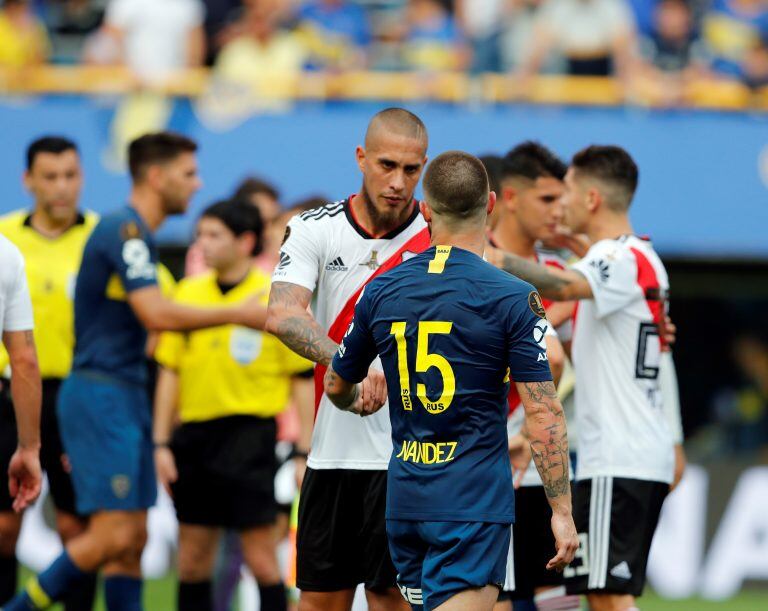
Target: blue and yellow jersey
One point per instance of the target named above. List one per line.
(51, 265)
(119, 257)
(450, 329)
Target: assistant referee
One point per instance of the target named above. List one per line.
(229, 382)
(51, 237)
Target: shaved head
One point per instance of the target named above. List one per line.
(395, 121)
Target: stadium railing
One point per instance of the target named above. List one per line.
(384, 86)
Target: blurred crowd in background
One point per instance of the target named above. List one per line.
(242, 39)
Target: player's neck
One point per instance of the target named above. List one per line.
(474, 241)
(377, 227)
(609, 227)
(148, 206)
(235, 273)
(509, 237)
(50, 227)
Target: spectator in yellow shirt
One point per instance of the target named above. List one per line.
(23, 39)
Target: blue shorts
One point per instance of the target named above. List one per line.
(437, 560)
(106, 430)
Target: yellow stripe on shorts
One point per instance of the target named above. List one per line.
(37, 595)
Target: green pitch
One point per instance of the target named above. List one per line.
(160, 595)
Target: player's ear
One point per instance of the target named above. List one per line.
(491, 202)
(509, 198)
(425, 210)
(26, 180)
(153, 176)
(594, 199)
(360, 156)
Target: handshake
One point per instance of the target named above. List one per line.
(364, 398)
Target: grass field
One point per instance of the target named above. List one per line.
(159, 595)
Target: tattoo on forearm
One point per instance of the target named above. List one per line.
(340, 397)
(299, 331)
(304, 336)
(538, 275)
(549, 447)
(29, 336)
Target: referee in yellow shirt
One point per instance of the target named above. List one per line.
(225, 385)
(51, 237)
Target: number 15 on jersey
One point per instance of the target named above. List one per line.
(425, 360)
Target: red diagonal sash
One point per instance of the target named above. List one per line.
(418, 243)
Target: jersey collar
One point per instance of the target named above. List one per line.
(79, 220)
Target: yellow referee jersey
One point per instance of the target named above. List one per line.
(228, 370)
(52, 265)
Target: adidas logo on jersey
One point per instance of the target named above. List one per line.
(337, 265)
(621, 571)
(285, 260)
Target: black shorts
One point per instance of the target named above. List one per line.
(226, 472)
(615, 518)
(51, 448)
(342, 536)
(533, 544)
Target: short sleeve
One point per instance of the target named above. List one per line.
(527, 330)
(169, 349)
(131, 258)
(611, 271)
(358, 348)
(17, 303)
(300, 255)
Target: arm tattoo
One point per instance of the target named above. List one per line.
(29, 336)
(296, 328)
(341, 397)
(539, 276)
(549, 440)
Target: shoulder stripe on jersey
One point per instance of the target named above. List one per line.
(321, 209)
(437, 264)
(328, 209)
(418, 243)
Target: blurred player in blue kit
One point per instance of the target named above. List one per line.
(451, 331)
(103, 407)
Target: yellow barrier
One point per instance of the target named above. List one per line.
(440, 87)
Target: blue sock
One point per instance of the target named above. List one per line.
(42, 591)
(122, 593)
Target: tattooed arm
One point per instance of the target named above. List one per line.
(545, 428)
(342, 394)
(552, 283)
(289, 319)
(363, 399)
(26, 387)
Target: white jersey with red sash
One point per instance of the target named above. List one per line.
(328, 252)
(617, 356)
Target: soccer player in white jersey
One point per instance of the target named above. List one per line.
(328, 255)
(530, 210)
(16, 324)
(626, 460)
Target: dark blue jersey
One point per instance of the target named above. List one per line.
(450, 329)
(119, 257)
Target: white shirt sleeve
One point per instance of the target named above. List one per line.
(17, 306)
(611, 271)
(300, 255)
